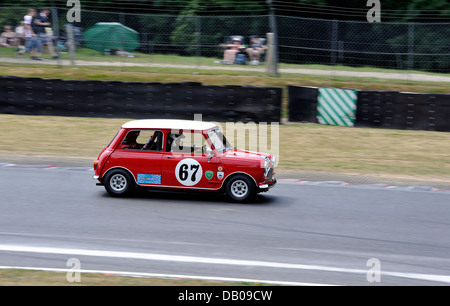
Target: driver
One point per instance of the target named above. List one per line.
(151, 143)
(130, 140)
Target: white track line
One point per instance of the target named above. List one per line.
(208, 260)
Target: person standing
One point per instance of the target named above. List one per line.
(42, 28)
(32, 43)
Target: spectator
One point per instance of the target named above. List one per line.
(8, 37)
(42, 28)
(32, 43)
(229, 55)
(20, 35)
(256, 49)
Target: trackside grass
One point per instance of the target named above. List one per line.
(19, 277)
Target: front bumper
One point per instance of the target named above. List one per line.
(96, 177)
(266, 187)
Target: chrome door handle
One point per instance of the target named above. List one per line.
(169, 156)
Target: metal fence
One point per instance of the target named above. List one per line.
(405, 46)
(418, 46)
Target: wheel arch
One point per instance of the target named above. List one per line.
(118, 168)
(231, 175)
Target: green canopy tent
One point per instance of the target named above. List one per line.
(111, 35)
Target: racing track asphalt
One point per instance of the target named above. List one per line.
(295, 233)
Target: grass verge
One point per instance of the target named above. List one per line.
(219, 77)
(22, 277)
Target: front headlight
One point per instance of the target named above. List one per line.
(266, 160)
(268, 165)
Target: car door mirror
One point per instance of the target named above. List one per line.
(209, 153)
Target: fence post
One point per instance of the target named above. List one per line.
(271, 69)
(334, 39)
(71, 43)
(410, 45)
(55, 28)
(274, 48)
(198, 37)
(55, 22)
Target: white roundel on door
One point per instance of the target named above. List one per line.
(188, 172)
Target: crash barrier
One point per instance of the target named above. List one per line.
(401, 110)
(336, 106)
(330, 106)
(302, 103)
(136, 100)
(379, 109)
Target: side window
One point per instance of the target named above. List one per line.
(144, 140)
(186, 142)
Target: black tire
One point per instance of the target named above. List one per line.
(240, 188)
(119, 183)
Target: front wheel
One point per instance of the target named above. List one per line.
(119, 183)
(240, 188)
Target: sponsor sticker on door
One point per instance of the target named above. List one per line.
(209, 174)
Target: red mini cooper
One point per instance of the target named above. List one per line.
(181, 154)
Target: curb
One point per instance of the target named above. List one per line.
(363, 186)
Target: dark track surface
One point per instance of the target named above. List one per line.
(294, 233)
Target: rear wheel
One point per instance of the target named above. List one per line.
(240, 188)
(119, 183)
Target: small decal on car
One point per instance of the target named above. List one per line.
(188, 172)
(209, 174)
(220, 175)
(150, 179)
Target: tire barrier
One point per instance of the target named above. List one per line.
(302, 103)
(377, 109)
(403, 110)
(138, 100)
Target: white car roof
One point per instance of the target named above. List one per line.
(169, 124)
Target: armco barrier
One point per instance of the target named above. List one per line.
(35, 96)
(380, 109)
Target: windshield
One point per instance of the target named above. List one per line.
(218, 140)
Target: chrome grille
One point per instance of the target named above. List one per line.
(269, 174)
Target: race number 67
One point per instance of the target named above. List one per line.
(185, 171)
(188, 172)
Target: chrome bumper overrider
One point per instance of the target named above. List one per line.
(266, 187)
